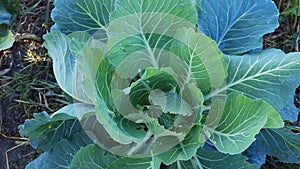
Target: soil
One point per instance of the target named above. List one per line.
(20, 64)
(27, 59)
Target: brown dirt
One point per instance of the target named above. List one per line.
(25, 62)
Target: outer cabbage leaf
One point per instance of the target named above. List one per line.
(205, 159)
(217, 160)
(92, 156)
(60, 156)
(38, 162)
(282, 143)
(81, 15)
(7, 42)
(45, 132)
(256, 156)
(241, 120)
(5, 20)
(237, 25)
(270, 75)
(290, 112)
(68, 63)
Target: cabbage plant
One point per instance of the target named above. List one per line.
(167, 84)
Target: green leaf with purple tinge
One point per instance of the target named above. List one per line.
(237, 25)
(283, 144)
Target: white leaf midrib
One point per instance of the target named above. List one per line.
(261, 72)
